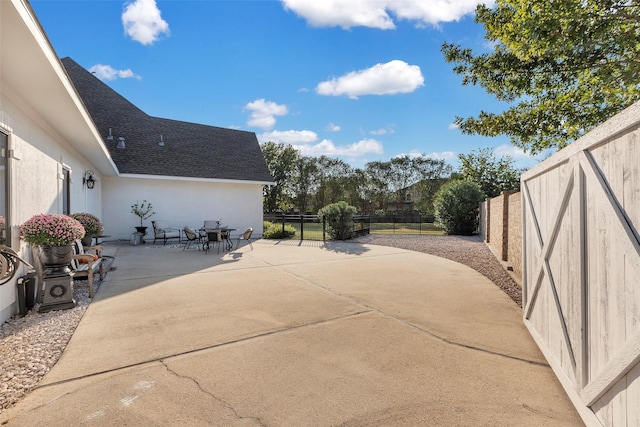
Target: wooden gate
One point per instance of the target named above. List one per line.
(581, 272)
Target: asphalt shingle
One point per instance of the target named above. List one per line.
(190, 150)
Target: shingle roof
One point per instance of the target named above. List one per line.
(191, 150)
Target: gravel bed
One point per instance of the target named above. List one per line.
(31, 345)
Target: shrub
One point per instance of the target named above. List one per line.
(456, 207)
(339, 217)
(274, 230)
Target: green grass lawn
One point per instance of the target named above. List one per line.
(406, 228)
(313, 231)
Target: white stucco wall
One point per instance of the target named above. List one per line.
(37, 155)
(180, 203)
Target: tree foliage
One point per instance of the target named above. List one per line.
(306, 184)
(564, 66)
(492, 174)
(456, 205)
(281, 160)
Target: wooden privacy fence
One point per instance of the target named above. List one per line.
(581, 272)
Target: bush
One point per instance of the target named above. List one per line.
(339, 217)
(274, 230)
(456, 207)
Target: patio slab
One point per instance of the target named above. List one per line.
(286, 334)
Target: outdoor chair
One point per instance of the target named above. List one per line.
(87, 260)
(212, 237)
(192, 237)
(245, 236)
(161, 230)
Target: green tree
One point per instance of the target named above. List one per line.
(356, 189)
(281, 160)
(378, 175)
(332, 180)
(431, 174)
(492, 174)
(564, 66)
(305, 181)
(456, 206)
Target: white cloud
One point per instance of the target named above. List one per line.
(142, 21)
(342, 13)
(443, 155)
(328, 148)
(263, 113)
(383, 131)
(289, 136)
(107, 72)
(378, 13)
(303, 140)
(511, 151)
(381, 79)
(433, 12)
(453, 126)
(332, 127)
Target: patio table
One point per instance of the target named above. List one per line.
(224, 232)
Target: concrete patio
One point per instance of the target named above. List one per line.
(297, 335)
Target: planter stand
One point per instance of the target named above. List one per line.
(143, 232)
(58, 292)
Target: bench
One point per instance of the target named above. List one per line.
(85, 264)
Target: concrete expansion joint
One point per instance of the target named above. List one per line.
(211, 395)
(467, 346)
(370, 309)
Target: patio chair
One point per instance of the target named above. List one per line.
(212, 237)
(87, 261)
(245, 236)
(192, 236)
(161, 230)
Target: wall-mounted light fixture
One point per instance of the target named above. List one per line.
(120, 142)
(88, 180)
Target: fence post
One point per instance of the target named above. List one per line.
(324, 228)
(301, 227)
(283, 225)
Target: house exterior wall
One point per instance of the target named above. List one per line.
(37, 155)
(181, 203)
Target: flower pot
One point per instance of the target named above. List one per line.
(56, 259)
(143, 232)
(86, 240)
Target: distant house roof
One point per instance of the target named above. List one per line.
(190, 149)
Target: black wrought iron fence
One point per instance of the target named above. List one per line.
(404, 223)
(313, 227)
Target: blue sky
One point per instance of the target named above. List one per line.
(361, 80)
